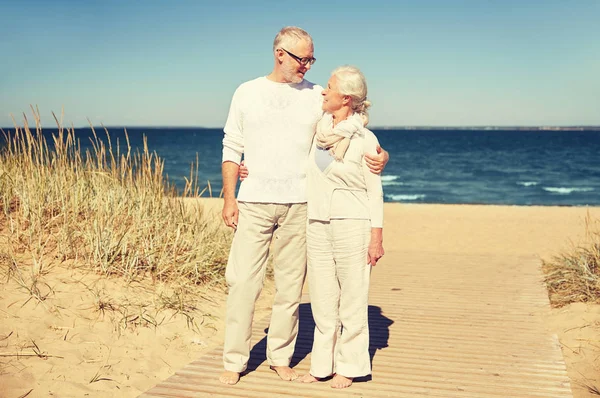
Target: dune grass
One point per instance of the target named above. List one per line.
(574, 276)
(109, 210)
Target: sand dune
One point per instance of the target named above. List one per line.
(90, 336)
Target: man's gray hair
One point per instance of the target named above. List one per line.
(289, 36)
(351, 82)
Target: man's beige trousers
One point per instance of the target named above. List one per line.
(258, 225)
(338, 282)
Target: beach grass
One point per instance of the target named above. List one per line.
(109, 210)
(574, 276)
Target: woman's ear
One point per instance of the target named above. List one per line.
(346, 100)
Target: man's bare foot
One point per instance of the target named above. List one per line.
(308, 378)
(285, 372)
(230, 378)
(340, 381)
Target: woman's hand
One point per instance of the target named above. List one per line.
(243, 171)
(375, 251)
(376, 163)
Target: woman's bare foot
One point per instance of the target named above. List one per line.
(340, 381)
(308, 378)
(285, 372)
(230, 378)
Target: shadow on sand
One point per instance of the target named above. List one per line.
(378, 338)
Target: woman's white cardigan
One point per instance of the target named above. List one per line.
(346, 189)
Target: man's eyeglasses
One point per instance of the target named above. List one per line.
(304, 61)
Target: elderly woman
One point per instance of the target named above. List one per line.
(345, 231)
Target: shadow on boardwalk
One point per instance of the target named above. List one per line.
(378, 338)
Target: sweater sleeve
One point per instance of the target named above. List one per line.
(373, 183)
(233, 142)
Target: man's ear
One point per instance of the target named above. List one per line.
(279, 54)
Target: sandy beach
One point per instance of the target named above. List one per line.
(86, 335)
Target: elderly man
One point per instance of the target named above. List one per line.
(272, 122)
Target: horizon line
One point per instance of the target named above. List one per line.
(383, 127)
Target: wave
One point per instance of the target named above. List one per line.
(388, 183)
(390, 180)
(527, 183)
(566, 190)
(399, 198)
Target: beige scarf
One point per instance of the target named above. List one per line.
(337, 140)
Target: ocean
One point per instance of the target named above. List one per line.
(508, 167)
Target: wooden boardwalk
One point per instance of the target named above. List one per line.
(442, 325)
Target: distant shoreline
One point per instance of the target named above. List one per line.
(494, 128)
(438, 128)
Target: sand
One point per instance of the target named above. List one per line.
(100, 337)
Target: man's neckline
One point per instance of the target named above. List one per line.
(283, 83)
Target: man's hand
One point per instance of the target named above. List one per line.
(231, 213)
(376, 163)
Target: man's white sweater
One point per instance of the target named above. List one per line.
(272, 125)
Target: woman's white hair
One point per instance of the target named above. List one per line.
(351, 82)
(289, 36)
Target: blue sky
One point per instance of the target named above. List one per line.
(427, 62)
